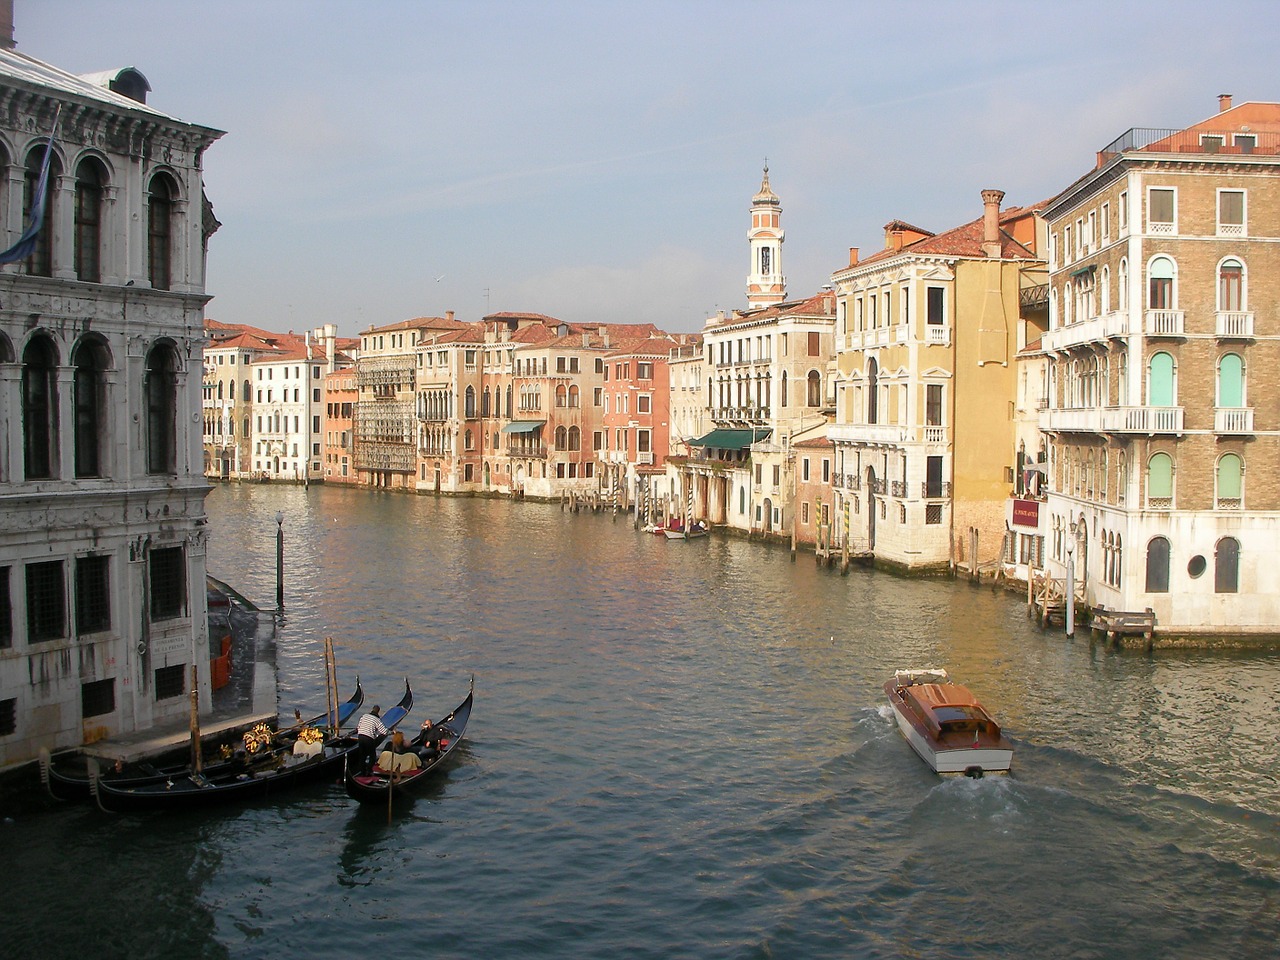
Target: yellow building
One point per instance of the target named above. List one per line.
(927, 330)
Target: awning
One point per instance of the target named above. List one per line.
(726, 439)
(1083, 270)
(523, 426)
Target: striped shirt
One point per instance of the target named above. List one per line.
(370, 726)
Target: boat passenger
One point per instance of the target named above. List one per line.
(369, 730)
(398, 758)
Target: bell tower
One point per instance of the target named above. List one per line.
(765, 283)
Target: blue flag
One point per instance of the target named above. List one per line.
(26, 244)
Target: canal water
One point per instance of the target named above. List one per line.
(683, 750)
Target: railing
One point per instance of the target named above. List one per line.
(1231, 229)
(937, 335)
(868, 433)
(1160, 228)
(1233, 420)
(898, 488)
(935, 491)
(1159, 503)
(1230, 503)
(535, 451)
(877, 486)
(1230, 142)
(935, 434)
(1164, 323)
(1149, 420)
(1234, 323)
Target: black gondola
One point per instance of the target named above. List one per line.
(65, 782)
(259, 776)
(432, 746)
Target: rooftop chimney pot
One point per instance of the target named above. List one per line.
(991, 222)
(853, 256)
(1224, 102)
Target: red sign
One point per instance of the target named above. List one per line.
(1026, 513)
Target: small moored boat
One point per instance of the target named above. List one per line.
(69, 779)
(279, 765)
(429, 749)
(946, 725)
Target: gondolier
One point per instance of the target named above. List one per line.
(369, 730)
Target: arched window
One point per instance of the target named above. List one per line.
(244, 394)
(1230, 481)
(562, 438)
(1160, 289)
(40, 263)
(813, 391)
(1117, 560)
(742, 500)
(1157, 565)
(161, 389)
(1104, 290)
(90, 180)
(574, 397)
(1230, 381)
(467, 441)
(1231, 285)
(219, 389)
(244, 427)
(575, 438)
(562, 396)
(1160, 383)
(39, 409)
(484, 403)
(783, 393)
(1226, 566)
(1160, 481)
(469, 403)
(231, 389)
(160, 205)
(91, 360)
(1067, 303)
(508, 401)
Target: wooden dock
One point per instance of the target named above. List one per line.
(1115, 625)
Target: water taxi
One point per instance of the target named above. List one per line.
(946, 725)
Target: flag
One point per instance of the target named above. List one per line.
(26, 244)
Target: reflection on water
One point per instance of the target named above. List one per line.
(682, 749)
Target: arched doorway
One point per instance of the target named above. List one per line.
(766, 522)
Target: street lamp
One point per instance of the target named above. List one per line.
(279, 560)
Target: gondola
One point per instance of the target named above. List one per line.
(258, 775)
(71, 781)
(432, 745)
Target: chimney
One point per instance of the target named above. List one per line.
(1224, 99)
(604, 335)
(853, 256)
(6, 25)
(893, 237)
(448, 314)
(991, 223)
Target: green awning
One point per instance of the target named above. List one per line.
(523, 426)
(726, 439)
(1083, 270)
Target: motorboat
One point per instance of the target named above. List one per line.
(946, 725)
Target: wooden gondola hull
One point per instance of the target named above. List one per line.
(276, 771)
(380, 788)
(65, 784)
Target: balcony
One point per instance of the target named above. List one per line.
(937, 335)
(898, 488)
(527, 451)
(868, 433)
(1164, 323)
(1137, 420)
(935, 491)
(1233, 420)
(935, 434)
(644, 458)
(1234, 323)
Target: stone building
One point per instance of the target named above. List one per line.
(1163, 357)
(103, 621)
(926, 340)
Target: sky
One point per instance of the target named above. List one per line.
(595, 161)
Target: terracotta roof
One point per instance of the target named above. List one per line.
(962, 241)
(420, 323)
(817, 443)
(650, 347)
